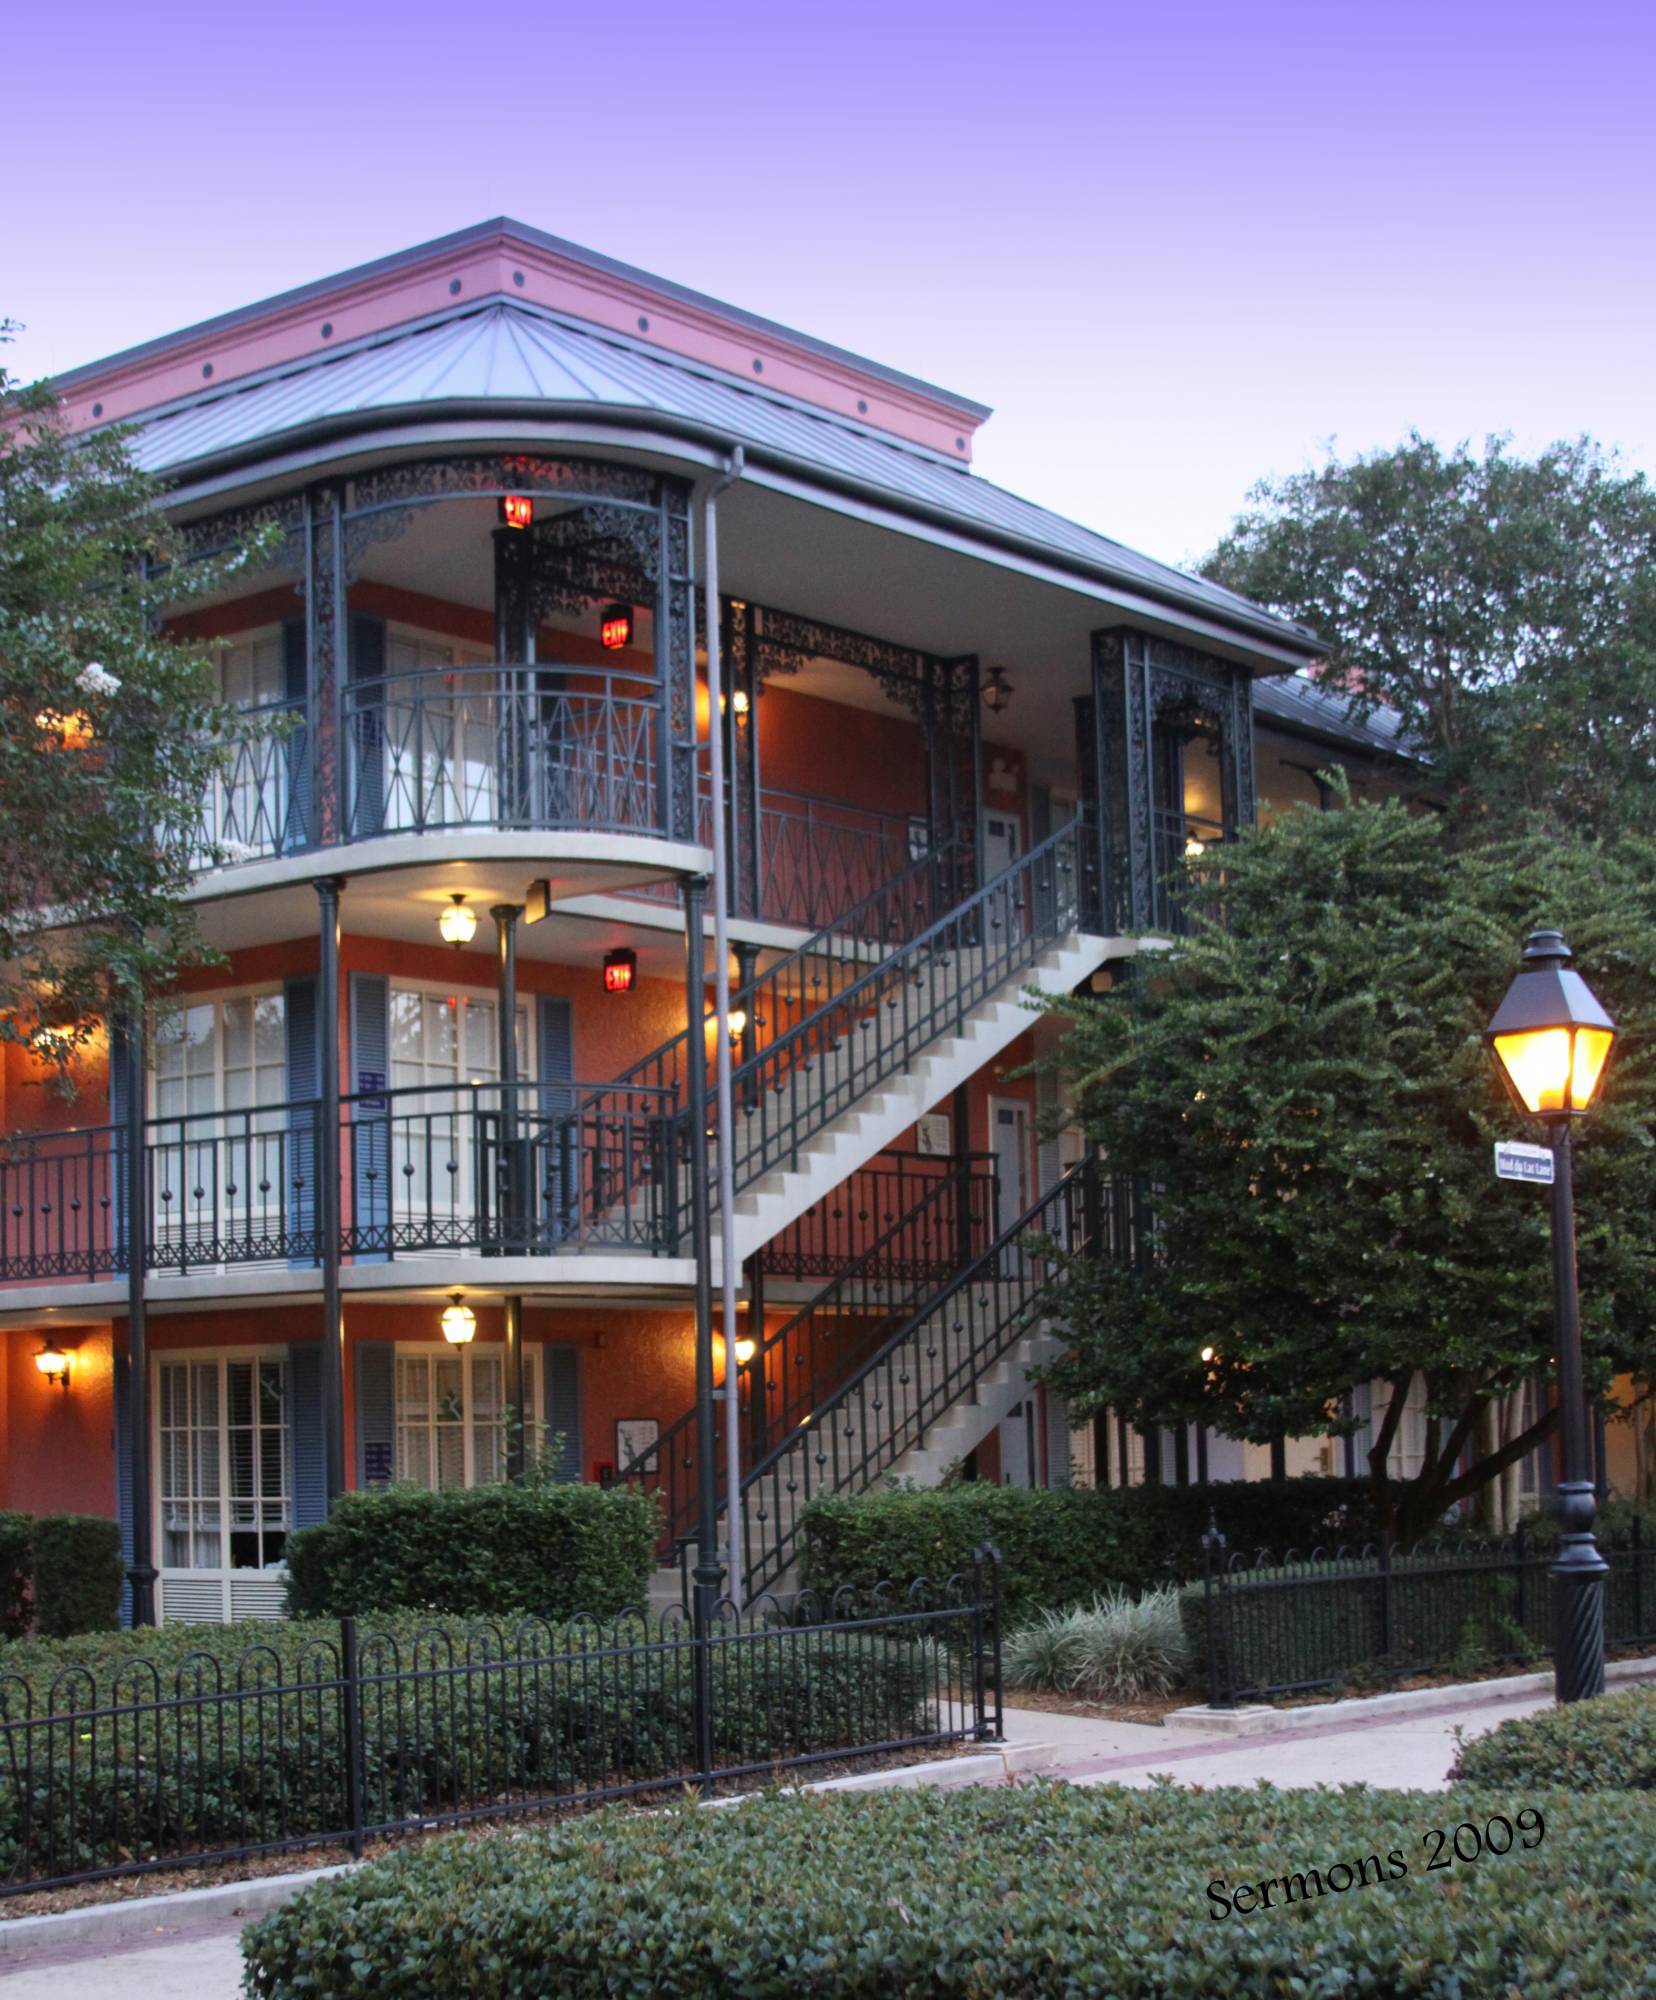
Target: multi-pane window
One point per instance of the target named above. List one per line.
(219, 1148)
(452, 1415)
(440, 726)
(223, 1458)
(442, 1043)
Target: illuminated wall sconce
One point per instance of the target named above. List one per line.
(457, 924)
(997, 690)
(615, 628)
(517, 510)
(738, 702)
(53, 1363)
(66, 732)
(745, 1350)
(459, 1322)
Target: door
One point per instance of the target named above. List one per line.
(1009, 1142)
(1002, 844)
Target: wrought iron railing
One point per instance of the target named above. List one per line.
(865, 1208)
(133, 1763)
(547, 745)
(948, 1221)
(528, 1170)
(262, 799)
(1274, 1624)
(887, 1404)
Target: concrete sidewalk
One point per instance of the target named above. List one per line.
(172, 1948)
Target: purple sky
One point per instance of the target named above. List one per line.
(1175, 246)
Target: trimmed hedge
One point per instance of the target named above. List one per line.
(1061, 1546)
(1037, 1890)
(236, 1773)
(1603, 1745)
(16, 1568)
(480, 1551)
(78, 1574)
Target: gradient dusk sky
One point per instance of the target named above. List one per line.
(1177, 246)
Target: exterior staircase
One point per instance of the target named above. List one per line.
(862, 1041)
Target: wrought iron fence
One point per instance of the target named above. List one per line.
(145, 1763)
(860, 1212)
(1291, 1624)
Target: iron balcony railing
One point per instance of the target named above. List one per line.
(887, 1404)
(530, 1169)
(538, 746)
(947, 1222)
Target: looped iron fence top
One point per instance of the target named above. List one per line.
(1293, 1621)
(147, 1763)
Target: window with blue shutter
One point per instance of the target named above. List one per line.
(123, 1474)
(299, 1167)
(307, 1476)
(561, 1389)
(557, 1174)
(369, 1117)
(297, 830)
(374, 1372)
(366, 727)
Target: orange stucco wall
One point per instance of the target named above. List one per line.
(59, 1452)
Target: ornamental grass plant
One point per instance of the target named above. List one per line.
(1116, 1648)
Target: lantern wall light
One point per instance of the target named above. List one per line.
(53, 1363)
(997, 690)
(457, 924)
(459, 1322)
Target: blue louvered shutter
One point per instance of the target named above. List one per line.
(118, 1144)
(561, 1393)
(307, 1474)
(374, 1363)
(366, 729)
(298, 1162)
(296, 830)
(123, 1474)
(556, 1179)
(369, 1118)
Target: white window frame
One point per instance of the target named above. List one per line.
(468, 1421)
(196, 1144)
(218, 1593)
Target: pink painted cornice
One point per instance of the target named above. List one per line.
(507, 260)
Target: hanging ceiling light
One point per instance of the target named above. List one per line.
(997, 690)
(459, 1322)
(457, 924)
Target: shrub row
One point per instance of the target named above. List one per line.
(1039, 1890)
(1061, 1546)
(563, 1710)
(1608, 1744)
(61, 1573)
(480, 1551)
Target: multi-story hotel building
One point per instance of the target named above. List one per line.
(430, 1147)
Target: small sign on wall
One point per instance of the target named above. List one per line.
(934, 1135)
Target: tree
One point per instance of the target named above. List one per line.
(1304, 1088)
(107, 731)
(1505, 607)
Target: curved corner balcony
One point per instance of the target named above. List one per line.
(538, 748)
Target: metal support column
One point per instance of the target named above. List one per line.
(1579, 1571)
(142, 1572)
(512, 1197)
(704, 1598)
(328, 1192)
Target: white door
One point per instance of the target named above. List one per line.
(1009, 1142)
(1005, 916)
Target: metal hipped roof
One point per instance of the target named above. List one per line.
(1298, 702)
(514, 356)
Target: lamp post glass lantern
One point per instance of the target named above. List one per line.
(1551, 1039)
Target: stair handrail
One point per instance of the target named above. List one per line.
(653, 1460)
(1079, 1180)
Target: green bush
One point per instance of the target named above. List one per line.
(586, 1711)
(1115, 1648)
(478, 1551)
(1060, 1546)
(16, 1569)
(1037, 1890)
(1589, 1746)
(78, 1574)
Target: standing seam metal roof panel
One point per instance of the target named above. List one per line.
(512, 354)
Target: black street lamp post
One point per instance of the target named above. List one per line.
(1551, 1038)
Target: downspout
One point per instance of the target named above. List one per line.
(725, 1120)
